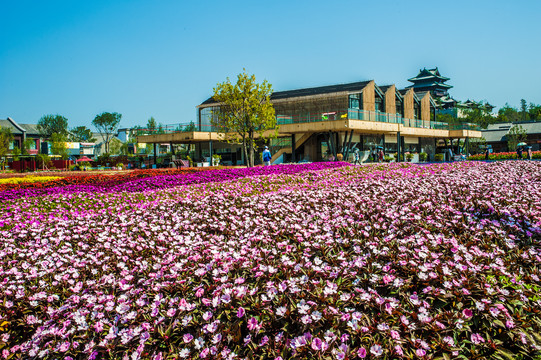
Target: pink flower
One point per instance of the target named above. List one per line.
(467, 313)
(361, 353)
(316, 344)
(64, 347)
(420, 352)
(240, 312)
(187, 338)
(395, 335)
(477, 338)
(253, 324)
(204, 353)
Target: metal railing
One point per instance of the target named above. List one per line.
(308, 117)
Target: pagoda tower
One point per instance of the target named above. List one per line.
(432, 81)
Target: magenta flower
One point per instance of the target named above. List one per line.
(253, 324)
(240, 312)
(361, 353)
(467, 313)
(316, 344)
(477, 338)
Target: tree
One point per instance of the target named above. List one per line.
(477, 145)
(27, 144)
(152, 125)
(115, 147)
(516, 135)
(523, 110)
(534, 111)
(6, 137)
(107, 124)
(508, 114)
(479, 117)
(81, 134)
(49, 124)
(245, 111)
(58, 145)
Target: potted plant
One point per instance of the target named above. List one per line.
(409, 157)
(216, 159)
(423, 156)
(438, 157)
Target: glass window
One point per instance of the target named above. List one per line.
(355, 101)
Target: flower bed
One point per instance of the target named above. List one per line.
(504, 156)
(9, 182)
(143, 180)
(391, 261)
(86, 178)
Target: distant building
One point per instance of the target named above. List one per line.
(496, 135)
(430, 80)
(22, 132)
(99, 146)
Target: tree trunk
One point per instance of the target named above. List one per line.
(245, 151)
(251, 143)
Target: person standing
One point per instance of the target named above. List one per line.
(519, 153)
(487, 152)
(529, 153)
(380, 155)
(357, 157)
(266, 156)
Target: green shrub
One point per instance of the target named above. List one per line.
(423, 156)
(438, 157)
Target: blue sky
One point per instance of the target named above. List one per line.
(162, 58)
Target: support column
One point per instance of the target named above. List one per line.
(210, 151)
(293, 155)
(332, 144)
(398, 143)
(155, 156)
(348, 145)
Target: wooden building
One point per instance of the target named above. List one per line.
(318, 123)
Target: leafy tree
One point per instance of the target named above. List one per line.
(81, 134)
(478, 116)
(152, 125)
(523, 110)
(190, 127)
(534, 111)
(59, 146)
(115, 147)
(49, 124)
(516, 135)
(508, 114)
(447, 118)
(16, 152)
(27, 144)
(107, 124)
(6, 137)
(245, 111)
(477, 145)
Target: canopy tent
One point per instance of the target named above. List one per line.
(84, 158)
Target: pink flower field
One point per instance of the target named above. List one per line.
(320, 261)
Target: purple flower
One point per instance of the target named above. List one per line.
(361, 353)
(240, 312)
(253, 324)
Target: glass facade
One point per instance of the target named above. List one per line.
(355, 101)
